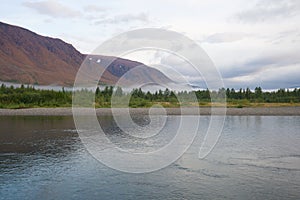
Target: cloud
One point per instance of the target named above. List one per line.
(181, 66)
(94, 8)
(52, 8)
(268, 78)
(272, 71)
(270, 10)
(142, 17)
(263, 63)
(224, 37)
(291, 36)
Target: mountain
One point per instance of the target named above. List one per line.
(29, 58)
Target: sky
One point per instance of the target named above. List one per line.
(251, 43)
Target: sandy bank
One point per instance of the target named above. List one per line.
(290, 111)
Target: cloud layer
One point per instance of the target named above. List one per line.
(124, 18)
(270, 10)
(251, 42)
(225, 37)
(52, 8)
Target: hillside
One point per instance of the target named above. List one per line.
(26, 57)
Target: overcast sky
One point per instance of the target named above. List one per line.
(252, 43)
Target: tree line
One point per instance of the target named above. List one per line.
(23, 97)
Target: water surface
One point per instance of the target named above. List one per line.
(257, 157)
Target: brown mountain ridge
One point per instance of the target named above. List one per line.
(29, 58)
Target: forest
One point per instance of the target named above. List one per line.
(30, 97)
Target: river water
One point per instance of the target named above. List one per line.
(256, 157)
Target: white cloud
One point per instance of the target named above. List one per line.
(268, 78)
(52, 8)
(225, 37)
(272, 60)
(125, 18)
(270, 10)
(94, 8)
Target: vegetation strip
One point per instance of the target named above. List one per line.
(29, 97)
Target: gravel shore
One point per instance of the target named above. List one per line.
(289, 111)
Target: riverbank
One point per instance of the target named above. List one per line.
(280, 111)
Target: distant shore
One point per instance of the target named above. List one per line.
(288, 111)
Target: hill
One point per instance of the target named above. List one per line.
(29, 58)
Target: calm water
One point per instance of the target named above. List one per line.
(257, 157)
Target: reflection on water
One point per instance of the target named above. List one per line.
(257, 157)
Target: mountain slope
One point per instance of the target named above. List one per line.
(26, 57)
